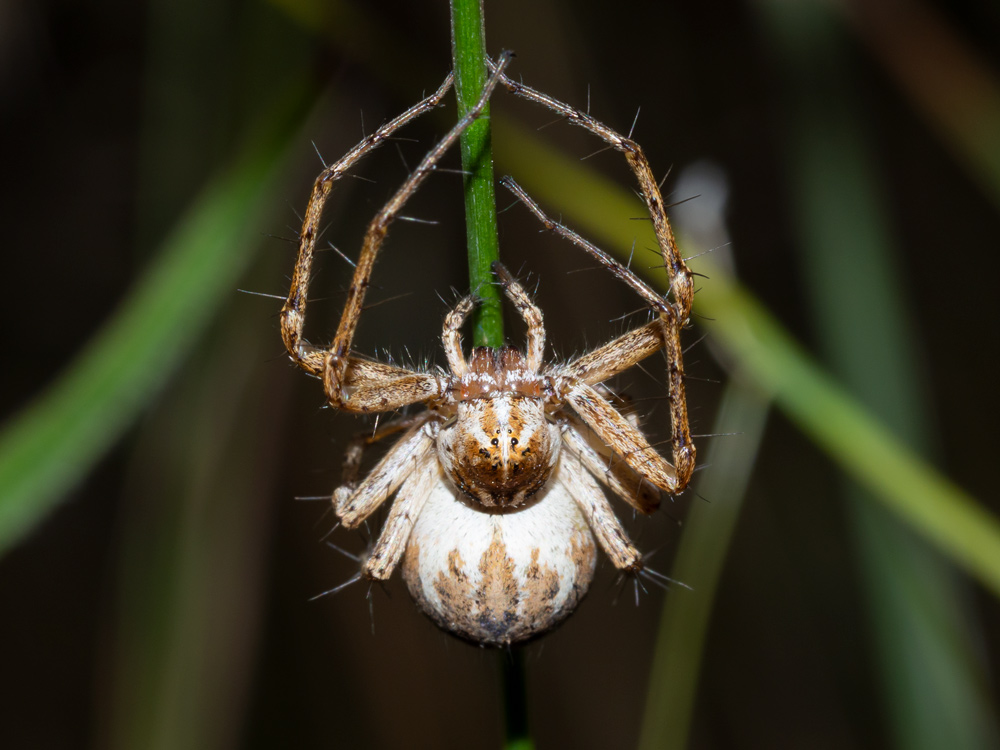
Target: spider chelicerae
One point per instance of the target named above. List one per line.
(497, 482)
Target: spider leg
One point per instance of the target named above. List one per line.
(616, 356)
(370, 386)
(681, 279)
(527, 310)
(634, 346)
(602, 519)
(356, 448)
(396, 531)
(409, 453)
(293, 313)
(337, 358)
(623, 481)
(641, 287)
(620, 435)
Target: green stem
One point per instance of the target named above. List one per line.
(515, 701)
(468, 40)
(468, 45)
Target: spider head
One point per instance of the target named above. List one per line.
(501, 448)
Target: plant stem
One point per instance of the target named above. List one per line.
(515, 701)
(468, 45)
(468, 40)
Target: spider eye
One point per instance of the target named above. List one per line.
(494, 441)
(513, 441)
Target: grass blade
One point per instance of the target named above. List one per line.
(837, 423)
(708, 530)
(53, 442)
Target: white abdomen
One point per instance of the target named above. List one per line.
(499, 577)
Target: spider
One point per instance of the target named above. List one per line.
(497, 481)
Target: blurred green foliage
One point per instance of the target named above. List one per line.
(191, 648)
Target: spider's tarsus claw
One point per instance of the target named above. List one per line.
(502, 274)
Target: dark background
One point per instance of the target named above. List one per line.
(166, 602)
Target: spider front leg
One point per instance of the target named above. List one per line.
(293, 313)
(632, 347)
(627, 484)
(370, 386)
(336, 360)
(628, 349)
(618, 434)
(681, 278)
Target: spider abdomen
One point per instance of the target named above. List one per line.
(499, 577)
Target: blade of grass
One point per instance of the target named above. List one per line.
(922, 628)
(194, 551)
(863, 447)
(953, 88)
(52, 443)
(708, 530)
(193, 519)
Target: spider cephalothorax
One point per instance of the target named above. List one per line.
(497, 482)
(501, 448)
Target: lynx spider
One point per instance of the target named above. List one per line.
(497, 496)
